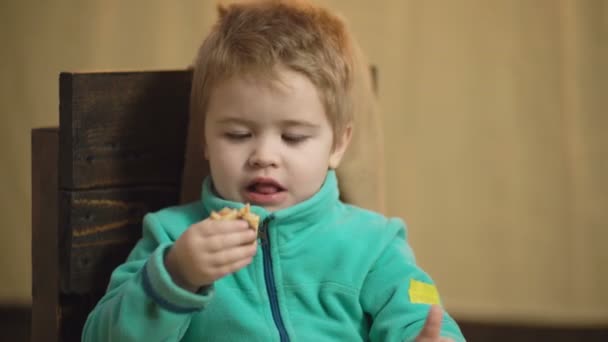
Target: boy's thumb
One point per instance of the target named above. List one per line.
(432, 326)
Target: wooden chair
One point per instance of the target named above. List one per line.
(118, 153)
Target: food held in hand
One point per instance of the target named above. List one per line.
(238, 214)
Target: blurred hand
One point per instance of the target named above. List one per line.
(432, 327)
(209, 250)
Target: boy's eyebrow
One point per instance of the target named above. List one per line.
(234, 120)
(290, 123)
(284, 123)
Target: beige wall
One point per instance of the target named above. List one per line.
(494, 114)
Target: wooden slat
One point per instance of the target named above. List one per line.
(122, 140)
(122, 128)
(101, 227)
(73, 312)
(45, 269)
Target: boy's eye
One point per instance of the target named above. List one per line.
(237, 136)
(294, 138)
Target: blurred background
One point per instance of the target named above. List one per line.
(495, 116)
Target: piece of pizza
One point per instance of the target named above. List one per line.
(241, 214)
(251, 218)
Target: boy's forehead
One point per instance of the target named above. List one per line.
(263, 110)
(285, 87)
(277, 78)
(284, 97)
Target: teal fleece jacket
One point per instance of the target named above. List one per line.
(324, 271)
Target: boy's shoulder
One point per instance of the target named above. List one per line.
(179, 216)
(364, 235)
(364, 222)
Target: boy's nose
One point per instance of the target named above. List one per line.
(263, 156)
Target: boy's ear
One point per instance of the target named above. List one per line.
(339, 149)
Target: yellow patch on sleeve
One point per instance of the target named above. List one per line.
(423, 293)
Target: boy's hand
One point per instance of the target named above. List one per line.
(209, 250)
(432, 327)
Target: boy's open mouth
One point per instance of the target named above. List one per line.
(265, 186)
(265, 191)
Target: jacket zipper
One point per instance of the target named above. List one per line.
(269, 280)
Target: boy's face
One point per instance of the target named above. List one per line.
(269, 143)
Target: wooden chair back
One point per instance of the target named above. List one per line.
(117, 154)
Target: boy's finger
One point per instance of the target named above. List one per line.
(235, 265)
(216, 243)
(217, 227)
(432, 326)
(229, 256)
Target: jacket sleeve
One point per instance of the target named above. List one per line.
(142, 303)
(398, 294)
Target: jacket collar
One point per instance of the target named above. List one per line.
(290, 220)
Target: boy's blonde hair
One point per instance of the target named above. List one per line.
(256, 36)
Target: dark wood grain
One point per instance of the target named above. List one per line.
(122, 138)
(73, 313)
(122, 128)
(117, 155)
(45, 269)
(100, 228)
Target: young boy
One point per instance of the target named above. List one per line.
(275, 81)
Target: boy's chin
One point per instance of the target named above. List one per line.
(274, 207)
(271, 207)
